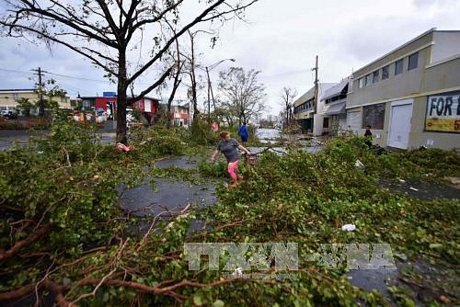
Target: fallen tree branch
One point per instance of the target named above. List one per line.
(40, 232)
(28, 289)
(157, 290)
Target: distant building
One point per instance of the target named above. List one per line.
(181, 115)
(273, 119)
(304, 109)
(410, 96)
(147, 106)
(9, 98)
(333, 109)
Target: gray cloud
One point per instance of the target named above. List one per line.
(431, 3)
(281, 40)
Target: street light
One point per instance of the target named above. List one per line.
(210, 91)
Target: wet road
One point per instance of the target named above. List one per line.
(8, 138)
(167, 198)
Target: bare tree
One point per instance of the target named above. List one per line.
(108, 32)
(242, 94)
(191, 71)
(287, 95)
(193, 65)
(176, 80)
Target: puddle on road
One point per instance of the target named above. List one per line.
(375, 279)
(281, 150)
(171, 196)
(422, 190)
(183, 162)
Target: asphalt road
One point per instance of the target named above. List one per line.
(21, 137)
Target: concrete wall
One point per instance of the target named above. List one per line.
(403, 51)
(442, 76)
(305, 97)
(380, 136)
(446, 44)
(405, 84)
(9, 98)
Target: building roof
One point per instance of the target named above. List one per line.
(396, 49)
(177, 103)
(336, 89)
(431, 31)
(110, 97)
(310, 94)
(17, 90)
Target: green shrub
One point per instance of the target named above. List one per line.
(158, 141)
(201, 133)
(213, 170)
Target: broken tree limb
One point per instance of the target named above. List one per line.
(40, 232)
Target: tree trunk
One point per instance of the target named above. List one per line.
(121, 97)
(168, 124)
(287, 117)
(196, 112)
(41, 108)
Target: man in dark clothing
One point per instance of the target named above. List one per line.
(243, 133)
(368, 135)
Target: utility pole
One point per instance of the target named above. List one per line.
(316, 86)
(41, 106)
(209, 92)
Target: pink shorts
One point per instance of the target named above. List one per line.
(232, 169)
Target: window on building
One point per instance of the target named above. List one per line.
(361, 83)
(413, 61)
(326, 122)
(15, 96)
(386, 72)
(399, 67)
(368, 79)
(374, 116)
(375, 76)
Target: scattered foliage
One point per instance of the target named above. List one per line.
(62, 230)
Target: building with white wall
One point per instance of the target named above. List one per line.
(305, 113)
(411, 95)
(334, 112)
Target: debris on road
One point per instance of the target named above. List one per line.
(349, 227)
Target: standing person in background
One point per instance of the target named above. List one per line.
(229, 147)
(368, 136)
(214, 126)
(243, 133)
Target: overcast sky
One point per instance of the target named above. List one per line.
(280, 39)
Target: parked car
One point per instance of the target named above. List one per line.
(8, 114)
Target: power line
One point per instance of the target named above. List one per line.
(55, 74)
(106, 82)
(16, 71)
(79, 78)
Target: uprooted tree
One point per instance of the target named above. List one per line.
(242, 93)
(111, 33)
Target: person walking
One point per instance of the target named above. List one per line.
(243, 133)
(230, 148)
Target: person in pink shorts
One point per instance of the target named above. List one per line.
(230, 148)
